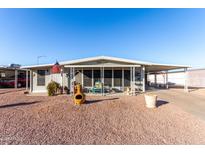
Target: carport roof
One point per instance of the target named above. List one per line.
(151, 67)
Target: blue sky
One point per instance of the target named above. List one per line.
(175, 36)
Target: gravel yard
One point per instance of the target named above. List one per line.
(103, 120)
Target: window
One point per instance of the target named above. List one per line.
(126, 78)
(108, 78)
(96, 76)
(78, 76)
(87, 78)
(117, 78)
(41, 77)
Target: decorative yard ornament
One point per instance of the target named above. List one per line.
(56, 68)
(79, 96)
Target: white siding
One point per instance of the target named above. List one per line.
(47, 80)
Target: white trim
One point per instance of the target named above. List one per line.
(131, 78)
(143, 78)
(36, 66)
(31, 81)
(134, 80)
(123, 81)
(98, 66)
(82, 77)
(26, 79)
(102, 58)
(73, 74)
(62, 78)
(102, 80)
(70, 80)
(92, 78)
(112, 77)
(116, 59)
(107, 58)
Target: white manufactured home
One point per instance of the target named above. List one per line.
(111, 73)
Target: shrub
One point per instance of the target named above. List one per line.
(53, 88)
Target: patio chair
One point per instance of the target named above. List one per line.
(97, 88)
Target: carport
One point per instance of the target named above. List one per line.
(165, 69)
(11, 77)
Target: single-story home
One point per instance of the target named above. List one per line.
(113, 74)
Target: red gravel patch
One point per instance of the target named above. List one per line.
(103, 120)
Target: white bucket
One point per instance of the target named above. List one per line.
(150, 100)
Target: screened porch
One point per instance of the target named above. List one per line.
(107, 80)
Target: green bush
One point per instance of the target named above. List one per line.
(53, 88)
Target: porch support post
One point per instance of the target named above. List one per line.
(16, 79)
(143, 78)
(131, 80)
(123, 76)
(102, 80)
(82, 77)
(185, 80)
(31, 81)
(92, 78)
(62, 78)
(155, 79)
(134, 81)
(166, 79)
(71, 81)
(26, 79)
(73, 73)
(112, 78)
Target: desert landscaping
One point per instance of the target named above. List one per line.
(102, 120)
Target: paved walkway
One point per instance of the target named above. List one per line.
(192, 102)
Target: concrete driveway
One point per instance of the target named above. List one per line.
(192, 102)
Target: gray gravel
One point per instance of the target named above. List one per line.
(103, 120)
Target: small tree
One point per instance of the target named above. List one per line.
(53, 88)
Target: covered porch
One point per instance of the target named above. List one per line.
(106, 80)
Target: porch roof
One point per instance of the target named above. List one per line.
(151, 67)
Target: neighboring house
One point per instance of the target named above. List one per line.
(195, 78)
(114, 74)
(12, 76)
